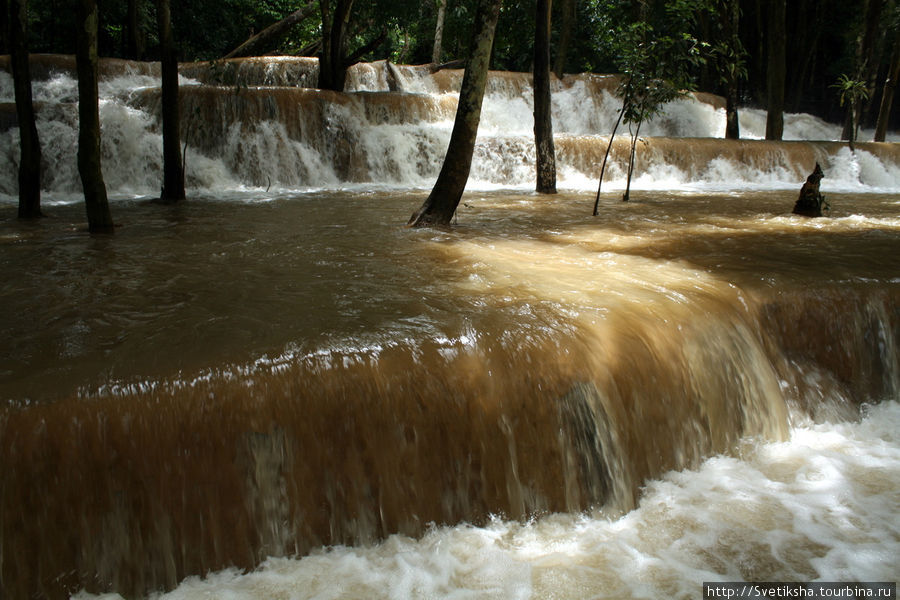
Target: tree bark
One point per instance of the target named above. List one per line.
(4, 30)
(777, 66)
(732, 121)
(887, 93)
(627, 195)
(134, 35)
(87, 64)
(439, 31)
(332, 66)
(439, 207)
(29, 143)
(268, 38)
(565, 37)
(173, 169)
(543, 122)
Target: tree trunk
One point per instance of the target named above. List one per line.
(887, 93)
(439, 207)
(565, 37)
(439, 31)
(634, 139)
(87, 64)
(29, 143)
(732, 122)
(776, 71)
(133, 33)
(173, 169)
(268, 38)
(606, 157)
(332, 67)
(543, 123)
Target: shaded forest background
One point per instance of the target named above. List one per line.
(825, 38)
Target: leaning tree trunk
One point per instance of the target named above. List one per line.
(776, 71)
(332, 66)
(173, 169)
(439, 207)
(439, 32)
(29, 143)
(87, 65)
(887, 93)
(269, 37)
(612, 137)
(543, 122)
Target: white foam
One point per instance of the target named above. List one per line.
(820, 507)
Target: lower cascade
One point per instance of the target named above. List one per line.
(276, 389)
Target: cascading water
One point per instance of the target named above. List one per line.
(277, 387)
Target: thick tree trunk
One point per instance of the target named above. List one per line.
(4, 30)
(543, 123)
(133, 33)
(887, 93)
(332, 66)
(439, 31)
(565, 37)
(268, 38)
(777, 66)
(173, 169)
(732, 123)
(439, 207)
(87, 64)
(29, 143)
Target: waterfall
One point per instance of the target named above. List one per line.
(256, 123)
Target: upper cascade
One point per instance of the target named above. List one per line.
(260, 123)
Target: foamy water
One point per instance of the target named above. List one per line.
(820, 507)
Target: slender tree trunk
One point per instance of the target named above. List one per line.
(439, 31)
(87, 64)
(29, 143)
(543, 122)
(439, 207)
(173, 169)
(887, 93)
(776, 71)
(565, 37)
(606, 157)
(332, 66)
(134, 34)
(634, 139)
(269, 37)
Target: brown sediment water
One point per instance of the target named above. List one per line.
(237, 378)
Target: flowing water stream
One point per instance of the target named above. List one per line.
(276, 390)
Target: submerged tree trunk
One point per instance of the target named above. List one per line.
(439, 207)
(811, 203)
(87, 65)
(606, 157)
(268, 38)
(543, 122)
(332, 66)
(439, 31)
(887, 93)
(173, 169)
(777, 67)
(565, 37)
(29, 143)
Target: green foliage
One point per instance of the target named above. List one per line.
(850, 90)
